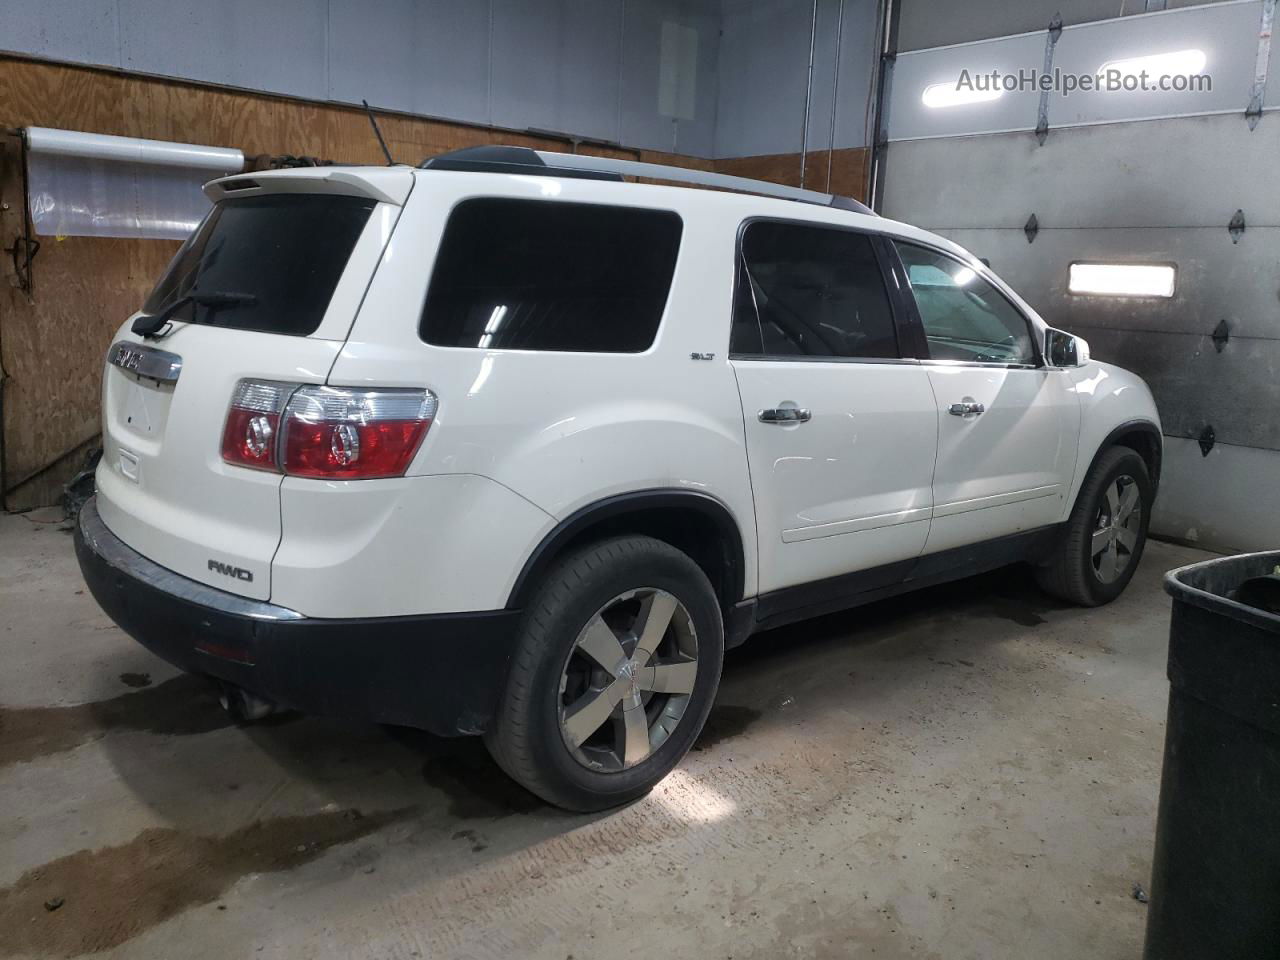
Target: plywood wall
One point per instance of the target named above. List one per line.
(51, 345)
(829, 171)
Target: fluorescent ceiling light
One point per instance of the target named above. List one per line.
(1122, 279)
(938, 95)
(1178, 63)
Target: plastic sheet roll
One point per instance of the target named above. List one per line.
(93, 185)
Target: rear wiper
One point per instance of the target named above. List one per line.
(151, 326)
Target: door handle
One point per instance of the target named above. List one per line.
(786, 415)
(966, 408)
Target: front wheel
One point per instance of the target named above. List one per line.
(615, 671)
(1105, 534)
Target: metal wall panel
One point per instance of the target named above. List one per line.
(857, 52)
(1271, 99)
(417, 56)
(940, 22)
(1227, 32)
(859, 61)
(555, 66)
(582, 67)
(643, 122)
(1161, 173)
(764, 61)
(81, 30)
(279, 47)
(824, 72)
(1225, 500)
(764, 56)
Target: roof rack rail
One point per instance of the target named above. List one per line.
(501, 159)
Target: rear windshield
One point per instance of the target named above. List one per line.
(544, 275)
(274, 260)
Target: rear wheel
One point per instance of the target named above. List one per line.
(1106, 533)
(615, 670)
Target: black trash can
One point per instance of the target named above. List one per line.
(1215, 884)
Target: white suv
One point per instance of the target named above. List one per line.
(507, 445)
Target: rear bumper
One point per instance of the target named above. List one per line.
(439, 672)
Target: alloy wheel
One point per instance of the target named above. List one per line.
(1117, 528)
(628, 679)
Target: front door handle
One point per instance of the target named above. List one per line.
(966, 408)
(785, 415)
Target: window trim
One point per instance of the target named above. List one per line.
(654, 344)
(981, 270)
(891, 295)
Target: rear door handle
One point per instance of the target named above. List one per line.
(966, 408)
(786, 415)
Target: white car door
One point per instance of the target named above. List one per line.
(1007, 424)
(841, 431)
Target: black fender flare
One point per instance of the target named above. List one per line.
(636, 502)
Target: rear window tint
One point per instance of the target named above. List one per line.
(542, 275)
(810, 291)
(280, 256)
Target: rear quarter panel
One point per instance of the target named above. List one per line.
(563, 430)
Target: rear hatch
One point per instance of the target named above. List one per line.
(265, 289)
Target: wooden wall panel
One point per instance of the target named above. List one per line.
(52, 346)
(848, 170)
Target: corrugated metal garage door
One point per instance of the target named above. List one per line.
(1147, 177)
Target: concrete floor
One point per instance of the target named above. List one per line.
(967, 772)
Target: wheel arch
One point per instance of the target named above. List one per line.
(1142, 436)
(696, 523)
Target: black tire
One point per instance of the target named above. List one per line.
(526, 737)
(1072, 573)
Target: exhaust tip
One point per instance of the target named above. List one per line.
(243, 706)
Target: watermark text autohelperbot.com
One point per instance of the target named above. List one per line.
(1106, 80)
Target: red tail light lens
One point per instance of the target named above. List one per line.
(249, 438)
(336, 433)
(342, 433)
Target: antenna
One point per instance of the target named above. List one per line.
(378, 133)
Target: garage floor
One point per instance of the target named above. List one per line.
(968, 772)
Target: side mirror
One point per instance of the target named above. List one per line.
(1061, 349)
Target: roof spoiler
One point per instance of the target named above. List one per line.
(383, 184)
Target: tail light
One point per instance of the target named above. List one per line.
(250, 438)
(336, 433)
(347, 434)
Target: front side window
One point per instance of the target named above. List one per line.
(543, 275)
(809, 291)
(964, 316)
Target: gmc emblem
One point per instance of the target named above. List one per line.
(240, 573)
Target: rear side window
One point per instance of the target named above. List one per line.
(267, 263)
(541, 275)
(806, 291)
